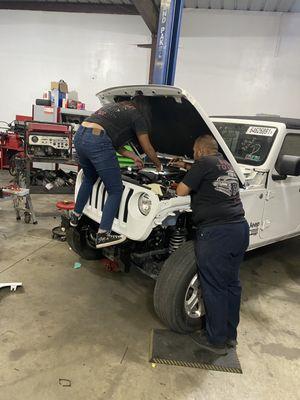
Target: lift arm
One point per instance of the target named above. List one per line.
(149, 12)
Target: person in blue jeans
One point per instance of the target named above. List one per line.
(98, 138)
(222, 238)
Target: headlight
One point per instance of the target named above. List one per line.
(144, 204)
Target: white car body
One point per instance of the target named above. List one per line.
(271, 206)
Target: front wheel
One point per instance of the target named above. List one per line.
(177, 294)
(79, 240)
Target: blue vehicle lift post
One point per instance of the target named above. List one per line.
(168, 33)
(164, 26)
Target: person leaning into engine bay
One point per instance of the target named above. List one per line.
(98, 138)
(222, 238)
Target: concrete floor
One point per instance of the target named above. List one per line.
(92, 327)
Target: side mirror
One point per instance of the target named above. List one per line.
(288, 165)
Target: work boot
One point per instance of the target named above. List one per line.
(107, 239)
(74, 219)
(203, 342)
(231, 343)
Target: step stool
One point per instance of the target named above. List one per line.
(59, 232)
(22, 202)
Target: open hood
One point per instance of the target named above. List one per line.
(177, 120)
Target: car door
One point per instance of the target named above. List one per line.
(281, 216)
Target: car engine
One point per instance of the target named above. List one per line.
(162, 183)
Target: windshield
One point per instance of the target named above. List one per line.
(250, 144)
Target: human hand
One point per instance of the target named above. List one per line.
(138, 162)
(159, 167)
(177, 162)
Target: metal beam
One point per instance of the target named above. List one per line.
(149, 12)
(152, 47)
(69, 7)
(152, 58)
(167, 41)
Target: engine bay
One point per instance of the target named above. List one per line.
(162, 183)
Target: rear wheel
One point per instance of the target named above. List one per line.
(177, 294)
(80, 241)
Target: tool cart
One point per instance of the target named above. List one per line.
(12, 142)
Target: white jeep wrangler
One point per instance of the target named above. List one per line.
(265, 154)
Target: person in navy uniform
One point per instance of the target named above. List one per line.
(222, 238)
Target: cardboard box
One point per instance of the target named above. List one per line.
(61, 86)
(45, 114)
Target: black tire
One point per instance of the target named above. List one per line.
(171, 288)
(77, 240)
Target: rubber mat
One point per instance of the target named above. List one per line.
(170, 348)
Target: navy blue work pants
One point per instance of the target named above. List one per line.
(219, 251)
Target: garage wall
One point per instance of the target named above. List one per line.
(235, 63)
(241, 62)
(90, 51)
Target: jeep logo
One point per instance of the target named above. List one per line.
(254, 228)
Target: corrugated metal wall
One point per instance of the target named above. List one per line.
(246, 5)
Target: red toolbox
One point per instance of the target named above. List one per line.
(12, 142)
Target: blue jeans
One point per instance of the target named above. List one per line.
(98, 158)
(220, 250)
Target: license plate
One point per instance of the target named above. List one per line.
(260, 131)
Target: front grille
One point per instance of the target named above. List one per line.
(99, 196)
(125, 215)
(118, 212)
(97, 193)
(103, 198)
